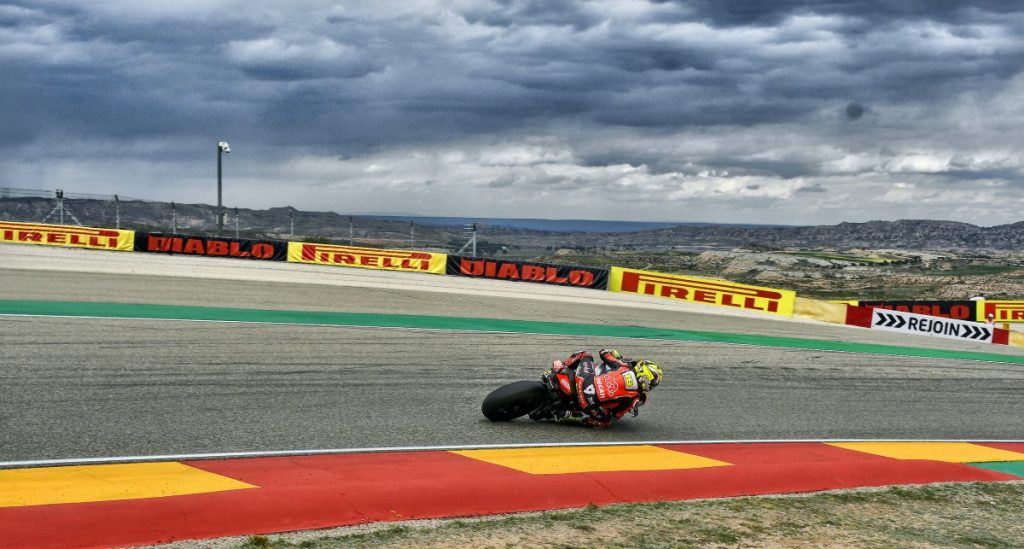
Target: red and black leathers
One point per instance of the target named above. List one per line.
(606, 391)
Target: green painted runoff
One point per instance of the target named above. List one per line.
(1008, 467)
(178, 312)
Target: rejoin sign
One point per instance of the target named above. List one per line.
(911, 323)
(67, 236)
(703, 290)
(367, 258)
(584, 277)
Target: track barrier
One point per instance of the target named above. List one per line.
(67, 236)
(498, 269)
(702, 290)
(920, 317)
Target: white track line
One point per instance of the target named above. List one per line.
(279, 453)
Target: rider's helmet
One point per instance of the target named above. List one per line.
(649, 373)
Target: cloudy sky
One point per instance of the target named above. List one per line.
(672, 110)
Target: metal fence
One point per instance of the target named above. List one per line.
(122, 212)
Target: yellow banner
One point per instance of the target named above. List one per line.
(703, 290)
(367, 258)
(825, 311)
(67, 236)
(1004, 311)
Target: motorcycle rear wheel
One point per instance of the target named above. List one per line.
(514, 400)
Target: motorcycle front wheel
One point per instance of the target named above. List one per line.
(514, 400)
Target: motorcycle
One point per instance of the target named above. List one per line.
(545, 399)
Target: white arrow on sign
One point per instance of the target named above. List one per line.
(913, 323)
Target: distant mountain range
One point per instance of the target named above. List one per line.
(553, 225)
(908, 234)
(441, 231)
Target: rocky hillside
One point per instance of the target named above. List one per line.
(904, 234)
(278, 222)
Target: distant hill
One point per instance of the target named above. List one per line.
(448, 231)
(552, 225)
(914, 234)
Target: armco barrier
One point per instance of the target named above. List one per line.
(367, 258)
(703, 290)
(267, 250)
(560, 275)
(67, 236)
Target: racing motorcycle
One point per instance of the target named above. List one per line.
(544, 399)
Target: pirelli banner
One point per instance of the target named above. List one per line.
(703, 290)
(367, 258)
(1002, 311)
(561, 275)
(267, 250)
(67, 236)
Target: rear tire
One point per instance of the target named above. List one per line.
(514, 400)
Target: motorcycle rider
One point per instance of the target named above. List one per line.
(606, 391)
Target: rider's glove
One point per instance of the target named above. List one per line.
(575, 358)
(567, 416)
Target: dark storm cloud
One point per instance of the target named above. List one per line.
(750, 89)
(770, 12)
(545, 60)
(854, 111)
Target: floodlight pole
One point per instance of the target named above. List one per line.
(220, 187)
(117, 212)
(222, 147)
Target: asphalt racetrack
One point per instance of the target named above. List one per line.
(82, 388)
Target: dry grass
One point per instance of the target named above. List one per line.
(941, 515)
